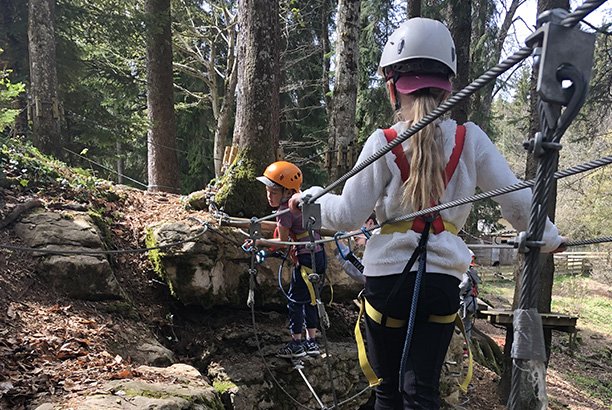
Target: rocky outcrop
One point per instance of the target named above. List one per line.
(178, 387)
(214, 270)
(80, 276)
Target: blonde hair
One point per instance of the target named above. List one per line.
(426, 180)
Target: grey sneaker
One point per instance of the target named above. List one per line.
(312, 348)
(293, 350)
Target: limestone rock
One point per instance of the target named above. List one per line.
(214, 270)
(82, 276)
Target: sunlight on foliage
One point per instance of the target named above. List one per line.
(8, 92)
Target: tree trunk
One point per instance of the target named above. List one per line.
(413, 8)
(461, 28)
(162, 160)
(43, 77)
(224, 117)
(256, 131)
(342, 121)
(224, 114)
(326, 48)
(547, 272)
(484, 99)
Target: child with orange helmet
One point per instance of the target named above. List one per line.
(283, 179)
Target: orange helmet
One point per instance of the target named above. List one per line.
(282, 174)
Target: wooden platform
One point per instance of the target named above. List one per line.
(556, 321)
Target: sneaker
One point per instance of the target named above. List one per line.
(293, 350)
(312, 348)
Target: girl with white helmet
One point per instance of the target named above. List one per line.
(442, 162)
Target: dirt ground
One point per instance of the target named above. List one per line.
(53, 348)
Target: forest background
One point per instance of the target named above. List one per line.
(103, 103)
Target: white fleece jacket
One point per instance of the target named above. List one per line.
(379, 187)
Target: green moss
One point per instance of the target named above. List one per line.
(102, 225)
(222, 386)
(158, 394)
(156, 256)
(240, 193)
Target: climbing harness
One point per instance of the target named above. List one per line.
(424, 225)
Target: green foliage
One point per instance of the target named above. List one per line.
(304, 122)
(378, 21)
(8, 92)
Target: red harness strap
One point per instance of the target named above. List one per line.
(402, 163)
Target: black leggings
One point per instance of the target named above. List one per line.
(439, 295)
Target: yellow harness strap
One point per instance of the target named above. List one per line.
(305, 271)
(301, 235)
(367, 370)
(405, 226)
(376, 316)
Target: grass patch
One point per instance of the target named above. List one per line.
(597, 388)
(578, 296)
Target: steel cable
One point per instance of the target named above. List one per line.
(479, 83)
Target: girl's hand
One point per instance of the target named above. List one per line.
(294, 204)
(562, 247)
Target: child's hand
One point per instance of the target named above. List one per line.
(294, 203)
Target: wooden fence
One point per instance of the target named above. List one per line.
(577, 263)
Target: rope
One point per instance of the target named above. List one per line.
(581, 12)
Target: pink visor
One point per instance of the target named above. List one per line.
(410, 83)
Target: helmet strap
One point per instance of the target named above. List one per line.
(393, 95)
(393, 90)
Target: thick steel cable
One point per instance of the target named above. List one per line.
(528, 365)
(590, 241)
(587, 166)
(581, 12)
(477, 84)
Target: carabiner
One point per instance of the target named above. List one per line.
(338, 244)
(365, 232)
(250, 248)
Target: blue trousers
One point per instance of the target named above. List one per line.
(302, 311)
(439, 295)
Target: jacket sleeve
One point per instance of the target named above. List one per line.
(349, 210)
(494, 172)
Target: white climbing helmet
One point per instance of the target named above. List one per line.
(419, 45)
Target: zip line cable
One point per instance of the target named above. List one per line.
(489, 194)
(106, 168)
(463, 201)
(479, 83)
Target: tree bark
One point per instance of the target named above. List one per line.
(43, 77)
(342, 121)
(256, 132)
(461, 29)
(413, 8)
(163, 169)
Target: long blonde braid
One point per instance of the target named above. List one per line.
(426, 180)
